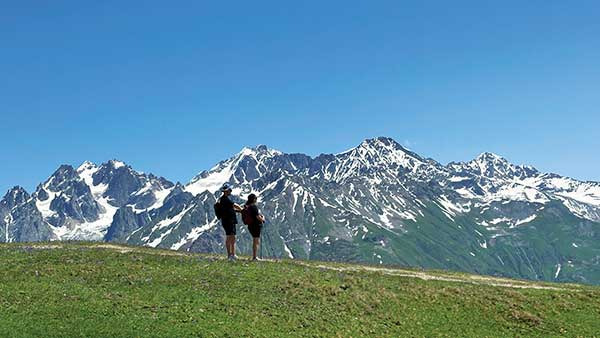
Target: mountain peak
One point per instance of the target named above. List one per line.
(381, 156)
(385, 147)
(86, 165)
(495, 166)
(15, 196)
(63, 173)
(116, 164)
(15, 191)
(488, 156)
(261, 147)
(382, 142)
(260, 150)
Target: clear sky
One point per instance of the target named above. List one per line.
(172, 87)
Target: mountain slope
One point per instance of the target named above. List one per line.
(376, 203)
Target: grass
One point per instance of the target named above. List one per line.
(81, 289)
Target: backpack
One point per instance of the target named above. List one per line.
(218, 209)
(247, 216)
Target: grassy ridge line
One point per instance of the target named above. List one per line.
(105, 290)
(446, 276)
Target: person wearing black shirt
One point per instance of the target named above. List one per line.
(229, 220)
(256, 226)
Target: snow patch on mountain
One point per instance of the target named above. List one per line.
(287, 249)
(525, 220)
(7, 222)
(92, 230)
(194, 234)
(154, 243)
(171, 220)
(385, 221)
(500, 220)
(99, 226)
(449, 208)
(86, 171)
(117, 164)
(44, 206)
(584, 194)
(160, 196)
(212, 181)
(159, 193)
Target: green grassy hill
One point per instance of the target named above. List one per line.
(94, 290)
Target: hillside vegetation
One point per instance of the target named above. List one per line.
(94, 290)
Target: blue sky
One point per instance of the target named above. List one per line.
(174, 87)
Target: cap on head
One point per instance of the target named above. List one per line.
(226, 187)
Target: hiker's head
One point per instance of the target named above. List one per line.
(226, 189)
(251, 199)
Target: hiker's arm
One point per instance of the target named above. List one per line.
(261, 218)
(237, 208)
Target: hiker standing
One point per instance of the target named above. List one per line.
(252, 217)
(225, 210)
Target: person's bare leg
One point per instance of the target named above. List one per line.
(228, 246)
(255, 243)
(229, 243)
(233, 245)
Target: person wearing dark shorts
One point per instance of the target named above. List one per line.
(229, 220)
(256, 225)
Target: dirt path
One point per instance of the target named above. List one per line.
(478, 280)
(114, 247)
(471, 279)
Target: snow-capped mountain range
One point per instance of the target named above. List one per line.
(377, 203)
